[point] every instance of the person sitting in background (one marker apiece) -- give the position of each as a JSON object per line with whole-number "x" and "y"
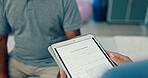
{"x": 129, "y": 70}
{"x": 36, "y": 24}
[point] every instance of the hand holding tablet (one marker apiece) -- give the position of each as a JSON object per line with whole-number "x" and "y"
{"x": 81, "y": 57}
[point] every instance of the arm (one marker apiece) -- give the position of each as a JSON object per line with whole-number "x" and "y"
{"x": 72, "y": 34}
{"x": 72, "y": 19}
{"x": 3, "y": 56}
{"x": 5, "y": 29}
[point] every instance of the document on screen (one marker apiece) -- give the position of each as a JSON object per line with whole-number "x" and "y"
{"x": 84, "y": 59}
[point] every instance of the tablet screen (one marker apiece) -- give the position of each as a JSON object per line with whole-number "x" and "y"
{"x": 84, "y": 59}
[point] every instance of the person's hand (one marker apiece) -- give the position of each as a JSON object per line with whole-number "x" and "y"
{"x": 118, "y": 58}
{"x": 61, "y": 74}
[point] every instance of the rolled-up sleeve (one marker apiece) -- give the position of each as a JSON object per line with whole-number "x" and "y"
{"x": 72, "y": 19}
{"x": 4, "y": 26}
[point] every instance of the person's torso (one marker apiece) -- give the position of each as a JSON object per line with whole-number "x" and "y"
{"x": 36, "y": 24}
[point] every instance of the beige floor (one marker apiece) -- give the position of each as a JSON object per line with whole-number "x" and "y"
{"x": 104, "y": 29}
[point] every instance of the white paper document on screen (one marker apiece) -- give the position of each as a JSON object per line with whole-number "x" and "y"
{"x": 84, "y": 59}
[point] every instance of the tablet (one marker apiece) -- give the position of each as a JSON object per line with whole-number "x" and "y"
{"x": 81, "y": 57}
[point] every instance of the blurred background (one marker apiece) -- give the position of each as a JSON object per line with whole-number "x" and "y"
{"x": 114, "y": 17}
{"x": 119, "y": 25}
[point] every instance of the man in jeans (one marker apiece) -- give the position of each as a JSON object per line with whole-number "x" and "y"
{"x": 36, "y": 24}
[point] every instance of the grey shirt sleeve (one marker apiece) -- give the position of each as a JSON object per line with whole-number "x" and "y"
{"x": 72, "y": 19}
{"x": 4, "y": 26}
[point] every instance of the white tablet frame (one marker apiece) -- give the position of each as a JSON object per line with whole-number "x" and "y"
{"x": 53, "y": 52}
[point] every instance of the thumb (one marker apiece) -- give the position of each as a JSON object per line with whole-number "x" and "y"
{"x": 62, "y": 74}
{"x": 116, "y": 59}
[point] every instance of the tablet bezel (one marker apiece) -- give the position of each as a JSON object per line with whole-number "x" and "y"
{"x": 77, "y": 39}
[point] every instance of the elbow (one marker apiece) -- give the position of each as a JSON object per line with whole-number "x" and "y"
{"x": 72, "y": 34}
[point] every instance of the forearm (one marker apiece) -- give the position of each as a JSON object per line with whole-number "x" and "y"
{"x": 72, "y": 34}
{"x": 3, "y": 59}
{"x": 3, "y": 55}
